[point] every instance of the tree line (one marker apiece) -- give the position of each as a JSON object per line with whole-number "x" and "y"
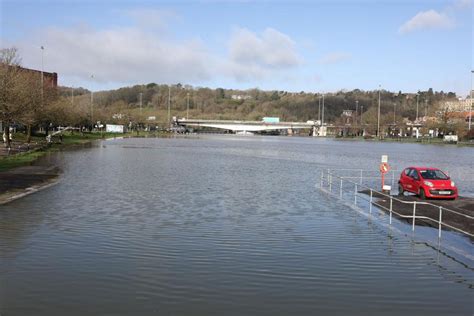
{"x": 25, "y": 102}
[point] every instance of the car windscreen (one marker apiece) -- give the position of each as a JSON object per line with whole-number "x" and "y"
{"x": 433, "y": 175}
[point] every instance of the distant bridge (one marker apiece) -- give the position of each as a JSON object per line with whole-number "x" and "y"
{"x": 249, "y": 126}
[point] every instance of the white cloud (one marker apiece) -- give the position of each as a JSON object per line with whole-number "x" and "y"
{"x": 270, "y": 49}
{"x": 427, "y": 20}
{"x": 255, "y": 56}
{"x": 147, "y": 52}
{"x": 125, "y": 55}
{"x": 333, "y": 58}
{"x": 462, "y": 4}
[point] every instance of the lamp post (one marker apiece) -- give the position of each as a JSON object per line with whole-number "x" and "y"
{"x": 394, "y": 112}
{"x": 141, "y": 101}
{"x": 319, "y": 109}
{"x": 470, "y": 103}
{"x": 417, "y": 97}
{"x": 92, "y": 105}
{"x": 187, "y": 106}
{"x": 169, "y": 105}
{"x": 42, "y": 72}
{"x": 322, "y": 116}
{"x": 357, "y": 111}
{"x": 426, "y": 108}
{"x": 378, "y": 117}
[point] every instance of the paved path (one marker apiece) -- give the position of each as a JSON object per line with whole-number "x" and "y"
{"x": 463, "y": 205}
{"x": 20, "y": 181}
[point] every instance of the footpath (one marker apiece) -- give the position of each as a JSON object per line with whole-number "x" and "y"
{"x": 21, "y": 181}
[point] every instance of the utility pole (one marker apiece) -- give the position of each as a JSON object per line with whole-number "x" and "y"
{"x": 378, "y": 117}
{"x": 169, "y": 105}
{"x": 72, "y": 95}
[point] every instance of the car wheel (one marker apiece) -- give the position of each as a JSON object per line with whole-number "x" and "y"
{"x": 400, "y": 189}
{"x": 422, "y": 194}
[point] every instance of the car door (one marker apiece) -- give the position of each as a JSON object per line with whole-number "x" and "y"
{"x": 416, "y": 181}
{"x": 410, "y": 181}
{"x": 405, "y": 179}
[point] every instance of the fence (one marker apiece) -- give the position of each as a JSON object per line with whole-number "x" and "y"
{"x": 346, "y": 188}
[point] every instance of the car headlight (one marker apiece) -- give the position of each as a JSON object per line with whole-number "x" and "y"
{"x": 453, "y": 184}
{"x": 428, "y": 183}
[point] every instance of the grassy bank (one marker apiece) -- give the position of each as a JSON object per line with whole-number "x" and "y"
{"x": 68, "y": 140}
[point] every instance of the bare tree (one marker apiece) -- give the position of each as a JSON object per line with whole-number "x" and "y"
{"x": 11, "y": 94}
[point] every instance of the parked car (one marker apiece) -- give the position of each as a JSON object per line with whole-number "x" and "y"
{"x": 427, "y": 183}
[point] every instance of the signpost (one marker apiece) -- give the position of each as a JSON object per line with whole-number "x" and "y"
{"x": 384, "y": 168}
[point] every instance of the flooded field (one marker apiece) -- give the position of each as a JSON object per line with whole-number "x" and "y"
{"x": 216, "y": 225}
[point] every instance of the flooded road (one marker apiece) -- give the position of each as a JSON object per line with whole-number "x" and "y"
{"x": 215, "y": 225}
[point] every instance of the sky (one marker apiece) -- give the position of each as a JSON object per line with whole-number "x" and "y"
{"x": 312, "y": 46}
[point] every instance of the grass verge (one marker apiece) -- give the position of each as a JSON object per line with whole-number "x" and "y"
{"x": 27, "y": 158}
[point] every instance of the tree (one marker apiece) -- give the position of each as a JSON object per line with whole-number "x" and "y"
{"x": 11, "y": 94}
{"x": 33, "y": 98}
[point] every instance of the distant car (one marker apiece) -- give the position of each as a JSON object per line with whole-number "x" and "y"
{"x": 427, "y": 183}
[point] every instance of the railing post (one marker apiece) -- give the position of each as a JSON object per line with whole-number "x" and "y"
{"x": 440, "y": 216}
{"x": 391, "y": 207}
{"x": 355, "y": 193}
{"x": 393, "y": 179}
{"x": 322, "y": 178}
{"x": 340, "y": 190}
{"x": 370, "y": 203}
{"x": 414, "y": 212}
{"x": 360, "y": 176}
{"x": 330, "y": 182}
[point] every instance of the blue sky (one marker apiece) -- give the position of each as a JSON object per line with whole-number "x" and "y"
{"x": 274, "y": 45}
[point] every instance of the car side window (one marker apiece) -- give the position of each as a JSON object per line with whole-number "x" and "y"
{"x": 414, "y": 174}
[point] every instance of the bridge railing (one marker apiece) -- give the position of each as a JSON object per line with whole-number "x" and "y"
{"x": 353, "y": 191}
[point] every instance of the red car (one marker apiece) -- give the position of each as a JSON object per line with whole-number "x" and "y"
{"x": 427, "y": 183}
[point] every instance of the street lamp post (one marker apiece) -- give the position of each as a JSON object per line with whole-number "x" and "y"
{"x": 322, "y": 116}
{"x": 378, "y": 117}
{"x": 169, "y": 105}
{"x": 470, "y": 103}
{"x": 42, "y": 72}
{"x": 394, "y": 112}
{"x": 319, "y": 109}
{"x": 357, "y": 111}
{"x": 417, "y": 95}
{"x": 187, "y": 106}
{"x": 141, "y": 100}
{"x": 92, "y": 105}
{"x": 426, "y": 107}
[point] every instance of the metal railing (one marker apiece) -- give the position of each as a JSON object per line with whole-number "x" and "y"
{"x": 344, "y": 186}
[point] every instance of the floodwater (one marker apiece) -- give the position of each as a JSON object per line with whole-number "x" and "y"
{"x": 221, "y": 225}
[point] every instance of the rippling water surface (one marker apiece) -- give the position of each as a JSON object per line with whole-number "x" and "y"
{"x": 220, "y": 226}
